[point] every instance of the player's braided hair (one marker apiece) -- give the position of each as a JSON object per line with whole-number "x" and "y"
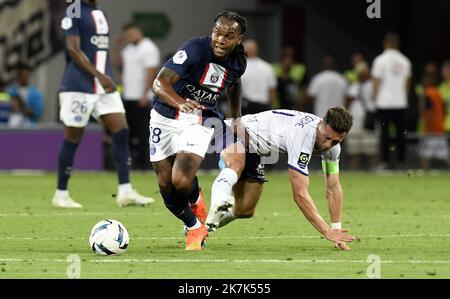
{"x": 231, "y": 15}
{"x": 339, "y": 119}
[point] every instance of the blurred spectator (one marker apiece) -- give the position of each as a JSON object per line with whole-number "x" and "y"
{"x": 391, "y": 72}
{"x": 290, "y": 76}
{"x": 444, "y": 89}
{"x": 31, "y": 101}
{"x": 139, "y": 61}
{"x": 351, "y": 75}
{"x": 433, "y": 143}
{"x": 5, "y": 104}
{"x": 10, "y": 113}
{"x": 362, "y": 138}
{"x": 258, "y": 82}
{"x": 431, "y": 69}
{"x": 327, "y": 88}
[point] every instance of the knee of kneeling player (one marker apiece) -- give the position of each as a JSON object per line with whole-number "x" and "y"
{"x": 244, "y": 213}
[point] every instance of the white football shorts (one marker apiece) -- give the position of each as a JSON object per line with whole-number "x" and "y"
{"x": 170, "y": 136}
{"x": 77, "y": 107}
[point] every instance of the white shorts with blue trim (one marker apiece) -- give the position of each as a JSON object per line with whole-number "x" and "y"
{"x": 77, "y": 107}
{"x": 185, "y": 133}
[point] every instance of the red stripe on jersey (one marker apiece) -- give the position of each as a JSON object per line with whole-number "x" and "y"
{"x": 204, "y": 74}
{"x": 95, "y": 64}
{"x": 225, "y": 75}
{"x": 95, "y": 23}
{"x": 178, "y": 114}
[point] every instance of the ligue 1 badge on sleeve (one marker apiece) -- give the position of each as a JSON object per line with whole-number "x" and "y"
{"x": 66, "y": 23}
{"x": 303, "y": 160}
{"x": 179, "y": 57}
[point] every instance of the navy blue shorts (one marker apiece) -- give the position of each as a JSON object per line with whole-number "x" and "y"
{"x": 253, "y": 168}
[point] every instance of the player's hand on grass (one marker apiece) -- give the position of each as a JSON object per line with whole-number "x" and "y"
{"x": 107, "y": 83}
{"x": 189, "y": 105}
{"x": 342, "y": 246}
{"x": 339, "y": 238}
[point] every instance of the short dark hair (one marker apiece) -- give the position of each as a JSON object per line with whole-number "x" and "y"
{"x": 24, "y": 67}
{"x": 339, "y": 119}
{"x": 392, "y": 39}
{"x": 446, "y": 63}
{"x": 130, "y": 26}
{"x": 231, "y": 15}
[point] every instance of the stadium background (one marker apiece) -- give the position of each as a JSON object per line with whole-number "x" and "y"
{"x": 402, "y": 217}
{"x": 30, "y": 34}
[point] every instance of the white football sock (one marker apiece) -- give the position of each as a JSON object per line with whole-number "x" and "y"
{"x": 124, "y": 188}
{"x": 196, "y": 225}
{"x": 223, "y": 185}
{"x": 61, "y": 193}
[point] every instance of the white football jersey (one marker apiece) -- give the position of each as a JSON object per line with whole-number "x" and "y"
{"x": 286, "y": 131}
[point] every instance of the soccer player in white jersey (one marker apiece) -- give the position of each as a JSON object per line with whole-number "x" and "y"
{"x": 300, "y": 135}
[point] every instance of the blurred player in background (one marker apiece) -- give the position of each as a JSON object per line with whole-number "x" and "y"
{"x": 138, "y": 60}
{"x": 433, "y": 143}
{"x": 300, "y": 135}
{"x": 88, "y": 89}
{"x": 188, "y": 88}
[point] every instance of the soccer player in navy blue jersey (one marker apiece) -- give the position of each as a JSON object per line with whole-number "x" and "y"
{"x": 187, "y": 91}
{"x": 87, "y": 89}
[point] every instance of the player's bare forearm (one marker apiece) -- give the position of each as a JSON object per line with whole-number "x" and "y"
{"x": 234, "y": 94}
{"x": 299, "y": 183}
{"x": 335, "y": 197}
{"x": 376, "y": 87}
{"x": 162, "y": 86}
{"x": 80, "y": 59}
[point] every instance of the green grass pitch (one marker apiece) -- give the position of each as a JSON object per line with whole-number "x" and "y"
{"x": 403, "y": 218}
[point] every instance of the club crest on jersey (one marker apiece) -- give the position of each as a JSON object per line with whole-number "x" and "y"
{"x": 303, "y": 160}
{"x": 214, "y": 78}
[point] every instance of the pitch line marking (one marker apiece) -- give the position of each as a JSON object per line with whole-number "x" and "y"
{"x": 236, "y": 238}
{"x": 265, "y": 261}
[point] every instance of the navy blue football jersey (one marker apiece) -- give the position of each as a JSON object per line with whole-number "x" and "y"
{"x": 203, "y": 78}
{"x": 93, "y": 30}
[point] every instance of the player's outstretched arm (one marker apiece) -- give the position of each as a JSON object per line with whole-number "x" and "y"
{"x": 300, "y": 183}
{"x": 80, "y": 59}
{"x": 162, "y": 87}
{"x": 335, "y": 199}
{"x": 234, "y": 94}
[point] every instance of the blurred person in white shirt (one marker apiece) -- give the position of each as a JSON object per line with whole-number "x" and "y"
{"x": 138, "y": 61}
{"x": 259, "y": 82}
{"x": 391, "y": 72}
{"x": 327, "y": 88}
{"x": 362, "y": 139}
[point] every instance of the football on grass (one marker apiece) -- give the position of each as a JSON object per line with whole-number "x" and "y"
{"x": 109, "y": 237}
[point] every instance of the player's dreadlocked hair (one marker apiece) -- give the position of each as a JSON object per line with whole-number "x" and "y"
{"x": 339, "y": 119}
{"x": 231, "y": 15}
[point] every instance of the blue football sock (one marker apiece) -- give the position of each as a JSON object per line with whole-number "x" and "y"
{"x": 180, "y": 208}
{"x": 192, "y": 196}
{"x": 65, "y": 163}
{"x": 121, "y": 154}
